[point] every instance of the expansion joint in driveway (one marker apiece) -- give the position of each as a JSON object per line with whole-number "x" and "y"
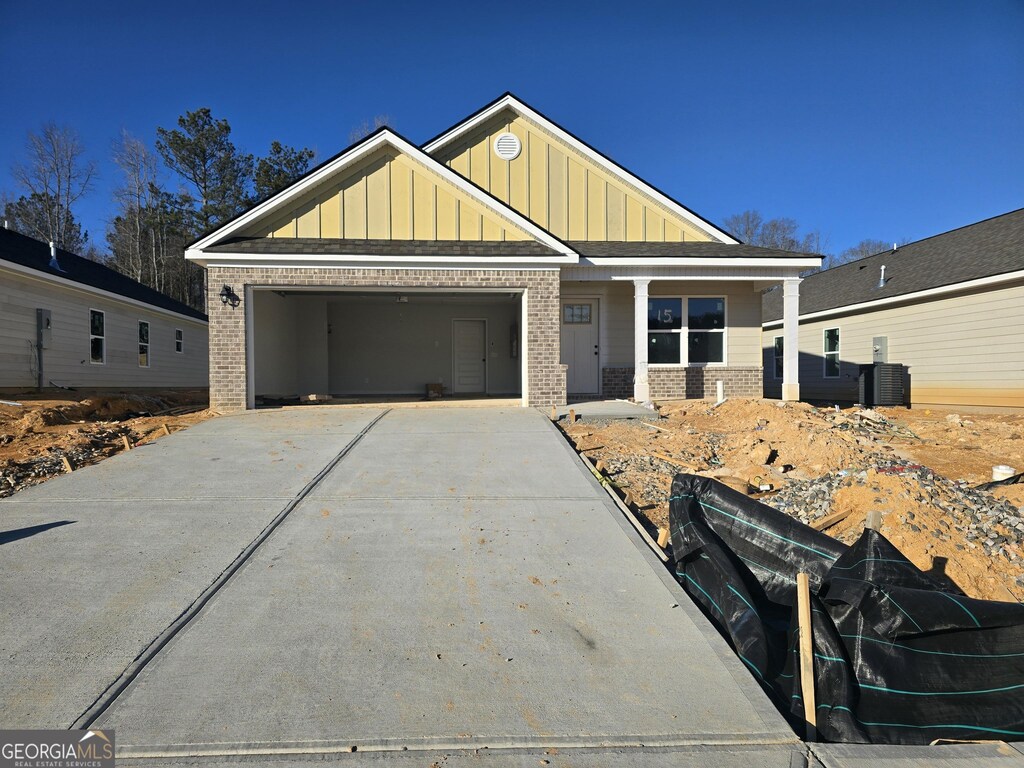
{"x": 115, "y": 689}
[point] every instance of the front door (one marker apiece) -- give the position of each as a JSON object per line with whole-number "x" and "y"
{"x": 469, "y": 355}
{"x": 580, "y": 346}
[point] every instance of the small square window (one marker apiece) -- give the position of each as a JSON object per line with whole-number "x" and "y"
{"x": 576, "y": 314}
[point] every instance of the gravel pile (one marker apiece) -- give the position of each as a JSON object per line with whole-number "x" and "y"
{"x": 992, "y": 523}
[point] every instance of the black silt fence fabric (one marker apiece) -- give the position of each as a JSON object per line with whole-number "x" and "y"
{"x": 901, "y": 656}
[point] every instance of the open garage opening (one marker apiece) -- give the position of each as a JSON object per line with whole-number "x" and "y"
{"x": 401, "y": 344}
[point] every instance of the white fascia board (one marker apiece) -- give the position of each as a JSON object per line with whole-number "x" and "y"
{"x": 63, "y": 282}
{"x": 377, "y": 262}
{"x": 696, "y": 261}
{"x": 281, "y": 199}
{"x": 291, "y": 260}
{"x": 524, "y": 111}
{"x": 967, "y": 285}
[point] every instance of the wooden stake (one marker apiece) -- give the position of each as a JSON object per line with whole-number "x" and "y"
{"x": 803, "y": 604}
{"x": 67, "y": 464}
{"x": 572, "y": 416}
{"x": 600, "y": 466}
{"x": 663, "y": 537}
{"x": 554, "y": 413}
{"x": 167, "y": 431}
{"x": 628, "y": 499}
{"x": 829, "y": 520}
{"x": 874, "y": 520}
{"x": 127, "y": 445}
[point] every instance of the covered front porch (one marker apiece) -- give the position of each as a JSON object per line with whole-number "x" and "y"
{"x": 664, "y": 333}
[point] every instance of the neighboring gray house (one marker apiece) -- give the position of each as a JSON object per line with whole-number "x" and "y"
{"x": 950, "y": 308}
{"x": 67, "y": 321}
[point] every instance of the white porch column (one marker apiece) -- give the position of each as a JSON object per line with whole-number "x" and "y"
{"x": 641, "y": 387}
{"x": 791, "y": 338}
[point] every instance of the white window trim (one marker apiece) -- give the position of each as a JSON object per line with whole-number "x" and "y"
{"x": 93, "y": 336}
{"x": 149, "y": 344}
{"x": 825, "y": 353}
{"x": 684, "y": 349}
{"x": 178, "y": 341}
{"x": 776, "y": 375}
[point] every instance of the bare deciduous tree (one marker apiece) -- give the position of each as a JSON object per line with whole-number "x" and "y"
{"x": 54, "y": 176}
{"x": 365, "y": 128}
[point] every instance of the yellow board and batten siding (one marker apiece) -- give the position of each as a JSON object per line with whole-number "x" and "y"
{"x": 560, "y": 189}
{"x": 392, "y": 197}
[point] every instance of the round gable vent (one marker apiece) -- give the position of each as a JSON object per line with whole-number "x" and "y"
{"x": 508, "y": 146}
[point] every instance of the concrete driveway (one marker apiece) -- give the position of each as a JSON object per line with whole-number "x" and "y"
{"x": 361, "y": 584}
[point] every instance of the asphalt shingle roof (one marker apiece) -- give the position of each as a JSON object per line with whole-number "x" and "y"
{"x": 35, "y": 254}
{"x": 696, "y": 250}
{"x": 991, "y": 247}
{"x": 334, "y": 247}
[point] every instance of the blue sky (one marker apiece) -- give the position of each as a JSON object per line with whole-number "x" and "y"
{"x": 888, "y": 120}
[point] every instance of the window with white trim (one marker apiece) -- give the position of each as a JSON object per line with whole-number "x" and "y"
{"x": 97, "y": 337}
{"x": 576, "y": 314}
{"x": 778, "y": 351}
{"x": 830, "y": 353}
{"x": 700, "y": 331}
{"x": 179, "y": 340}
{"x": 705, "y": 323}
{"x": 664, "y": 329}
{"x": 143, "y": 344}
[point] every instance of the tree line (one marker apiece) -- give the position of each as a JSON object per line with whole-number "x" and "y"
{"x": 216, "y": 181}
{"x": 152, "y": 222}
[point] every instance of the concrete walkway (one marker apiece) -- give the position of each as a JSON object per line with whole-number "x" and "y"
{"x": 419, "y": 586}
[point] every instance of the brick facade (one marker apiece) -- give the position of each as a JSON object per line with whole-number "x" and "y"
{"x": 617, "y": 382}
{"x": 673, "y": 383}
{"x": 670, "y": 383}
{"x": 228, "y": 375}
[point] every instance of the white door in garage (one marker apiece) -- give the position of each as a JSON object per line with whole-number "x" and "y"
{"x": 469, "y": 356}
{"x": 580, "y": 346}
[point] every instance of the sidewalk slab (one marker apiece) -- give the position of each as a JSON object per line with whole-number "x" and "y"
{"x": 939, "y": 756}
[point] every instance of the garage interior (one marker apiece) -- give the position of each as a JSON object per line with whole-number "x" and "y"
{"x": 356, "y": 344}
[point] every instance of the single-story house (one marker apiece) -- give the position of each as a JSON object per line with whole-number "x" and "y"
{"x": 505, "y": 257}
{"x": 70, "y": 322}
{"x": 949, "y": 308}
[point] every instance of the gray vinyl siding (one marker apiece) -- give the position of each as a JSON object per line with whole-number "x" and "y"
{"x": 966, "y": 349}
{"x": 743, "y": 316}
{"x": 67, "y": 361}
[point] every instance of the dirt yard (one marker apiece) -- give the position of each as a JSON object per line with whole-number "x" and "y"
{"x": 43, "y": 430}
{"x": 919, "y": 468}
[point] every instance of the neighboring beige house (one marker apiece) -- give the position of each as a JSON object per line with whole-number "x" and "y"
{"x": 950, "y": 308}
{"x": 505, "y": 257}
{"x": 70, "y": 322}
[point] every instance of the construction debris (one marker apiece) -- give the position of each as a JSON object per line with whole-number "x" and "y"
{"x": 830, "y": 468}
{"x": 45, "y": 436}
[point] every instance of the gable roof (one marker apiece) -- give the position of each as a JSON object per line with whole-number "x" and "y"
{"x": 374, "y": 247}
{"x": 682, "y": 250}
{"x": 510, "y": 101}
{"x": 34, "y": 254}
{"x": 986, "y": 249}
{"x": 382, "y": 137}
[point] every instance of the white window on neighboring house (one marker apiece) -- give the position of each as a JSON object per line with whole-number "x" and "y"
{"x": 664, "y": 330}
{"x": 97, "y": 338}
{"x": 179, "y": 340}
{"x": 830, "y": 353}
{"x": 778, "y": 350}
{"x": 143, "y": 344}
{"x": 705, "y": 323}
